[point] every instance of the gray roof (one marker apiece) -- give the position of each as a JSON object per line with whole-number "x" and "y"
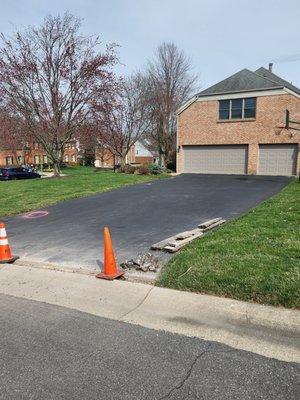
{"x": 246, "y": 81}
{"x": 271, "y": 76}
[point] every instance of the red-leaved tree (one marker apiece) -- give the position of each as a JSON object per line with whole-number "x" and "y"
{"x": 49, "y": 77}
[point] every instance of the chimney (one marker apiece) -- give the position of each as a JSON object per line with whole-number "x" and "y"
{"x": 270, "y": 67}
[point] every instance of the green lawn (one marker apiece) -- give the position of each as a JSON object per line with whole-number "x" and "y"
{"x": 254, "y": 258}
{"x": 20, "y": 196}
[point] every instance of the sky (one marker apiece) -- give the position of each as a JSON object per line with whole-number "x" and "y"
{"x": 221, "y": 37}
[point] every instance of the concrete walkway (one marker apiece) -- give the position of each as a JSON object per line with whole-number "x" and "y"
{"x": 269, "y": 331}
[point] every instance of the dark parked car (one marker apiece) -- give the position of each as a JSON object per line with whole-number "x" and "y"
{"x": 11, "y": 173}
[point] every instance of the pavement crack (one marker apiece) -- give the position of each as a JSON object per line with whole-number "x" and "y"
{"x": 187, "y": 375}
{"x": 138, "y": 305}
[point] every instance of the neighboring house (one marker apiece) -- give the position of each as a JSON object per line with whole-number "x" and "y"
{"x": 34, "y": 153}
{"x": 104, "y": 158}
{"x": 237, "y": 127}
{"x": 139, "y": 153}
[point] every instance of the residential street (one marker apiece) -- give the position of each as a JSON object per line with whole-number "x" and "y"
{"x": 138, "y": 216}
{"x": 50, "y": 352}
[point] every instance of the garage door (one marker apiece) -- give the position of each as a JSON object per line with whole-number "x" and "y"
{"x": 215, "y": 159}
{"x": 277, "y": 159}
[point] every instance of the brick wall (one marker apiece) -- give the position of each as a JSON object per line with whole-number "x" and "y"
{"x": 143, "y": 160}
{"x": 199, "y": 125}
{"x": 34, "y": 156}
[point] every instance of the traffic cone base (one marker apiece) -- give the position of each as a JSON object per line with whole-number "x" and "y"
{"x": 103, "y": 275}
{"x": 10, "y": 260}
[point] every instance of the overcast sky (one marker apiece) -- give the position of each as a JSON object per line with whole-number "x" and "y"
{"x": 220, "y": 36}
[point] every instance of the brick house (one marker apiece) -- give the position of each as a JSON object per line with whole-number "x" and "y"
{"x": 34, "y": 153}
{"x": 237, "y": 127}
{"x": 139, "y": 153}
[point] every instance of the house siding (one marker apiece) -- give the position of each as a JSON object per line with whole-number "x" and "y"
{"x": 199, "y": 125}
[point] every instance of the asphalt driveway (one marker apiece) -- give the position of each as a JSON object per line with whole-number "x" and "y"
{"x": 138, "y": 216}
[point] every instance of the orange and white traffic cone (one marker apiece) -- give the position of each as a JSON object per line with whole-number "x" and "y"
{"x": 110, "y": 271}
{"x": 5, "y": 253}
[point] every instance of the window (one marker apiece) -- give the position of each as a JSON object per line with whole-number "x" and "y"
{"x": 250, "y": 107}
{"x": 237, "y": 108}
{"x": 9, "y": 160}
{"x": 36, "y": 159}
{"x": 45, "y": 159}
{"x": 66, "y": 158}
{"x": 36, "y": 145}
{"x": 73, "y": 158}
{"x": 224, "y": 109}
{"x": 20, "y": 160}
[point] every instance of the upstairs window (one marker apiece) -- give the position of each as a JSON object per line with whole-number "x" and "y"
{"x": 250, "y": 107}
{"x": 237, "y": 108}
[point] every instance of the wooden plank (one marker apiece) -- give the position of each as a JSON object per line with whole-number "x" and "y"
{"x": 178, "y": 244}
{"x": 187, "y": 234}
{"x": 206, "y": 224}
{"x": 181, "y": 236}
{"x": 160, "y": 245}
{"x": 218, "y": 223}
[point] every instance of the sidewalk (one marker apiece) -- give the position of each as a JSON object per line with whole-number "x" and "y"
{"x": 269, "y": 331}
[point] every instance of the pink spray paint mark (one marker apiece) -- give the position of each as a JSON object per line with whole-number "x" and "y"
{"x": 35, "y": 214}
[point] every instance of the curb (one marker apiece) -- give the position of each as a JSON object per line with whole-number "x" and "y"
{"x": 266, "y": 330}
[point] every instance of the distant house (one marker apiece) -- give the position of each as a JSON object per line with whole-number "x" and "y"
{"x": 237, "y": 127}
{"x": 34, "y": 154}
{"x": 139, "y": 153}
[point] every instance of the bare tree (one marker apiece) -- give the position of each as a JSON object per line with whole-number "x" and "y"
{"x": 123, "y": 119}
{"x": 169, "y": 83}
{"x": 49, "y": 76}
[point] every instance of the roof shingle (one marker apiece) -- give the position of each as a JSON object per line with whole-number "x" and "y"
{"x": 246, "y": 80}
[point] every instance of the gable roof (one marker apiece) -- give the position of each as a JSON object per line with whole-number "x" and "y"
{"x": 246, "y": 81}
{"x": 273, "y": 77}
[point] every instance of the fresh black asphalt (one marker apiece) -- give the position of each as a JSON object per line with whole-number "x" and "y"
{"x": 50, "y": 353}
{"x": 138, "y": 216}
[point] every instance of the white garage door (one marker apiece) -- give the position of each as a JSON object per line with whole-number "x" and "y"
{"x": 215, "y": 159}
{"x": 277, "y": 159}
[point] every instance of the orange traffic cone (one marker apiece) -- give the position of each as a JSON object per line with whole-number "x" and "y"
{"x": 5, "y": 253}
{"x": 110, "y": 266}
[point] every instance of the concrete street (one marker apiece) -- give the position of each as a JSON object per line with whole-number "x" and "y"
{"x": 138, "y": 216}
{"x": 50, "y": 352}
{"x": 269, "y": 331}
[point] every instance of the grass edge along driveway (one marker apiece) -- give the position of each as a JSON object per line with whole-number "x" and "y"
{"x": 253, "y": 258}
{"x": 30, "y": 194}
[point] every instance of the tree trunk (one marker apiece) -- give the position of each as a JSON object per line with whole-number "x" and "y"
{"x": 162, "y": 158}
{"x": 56, "y": 168}
{"x": 123, "y": 158}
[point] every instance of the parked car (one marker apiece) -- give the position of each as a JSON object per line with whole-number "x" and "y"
{"x": 12, "y": 173}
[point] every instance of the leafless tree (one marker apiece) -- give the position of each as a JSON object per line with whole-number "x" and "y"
{"x": 50, "y": 76}
{"x": 170, "y": 82}
{"x": 122, "y": 120}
